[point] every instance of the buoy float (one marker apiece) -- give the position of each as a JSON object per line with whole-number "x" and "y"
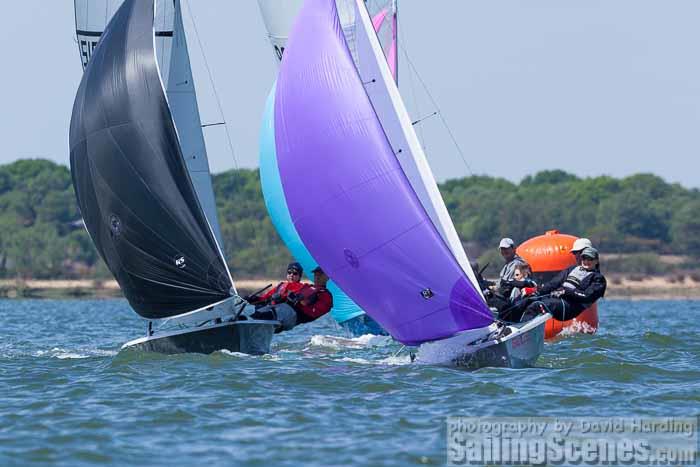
{"x": 547, "y": 255}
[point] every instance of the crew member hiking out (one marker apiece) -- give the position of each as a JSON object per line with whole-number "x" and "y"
{"x": 307, "y": 304}
{"x": 279, "y": 294}
{"x": 570, "y": 293}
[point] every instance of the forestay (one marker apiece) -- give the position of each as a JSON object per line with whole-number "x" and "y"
{"x": 92, "y": 16}
{"x": 367, "y": 225}
{"x": 131, "y": 181}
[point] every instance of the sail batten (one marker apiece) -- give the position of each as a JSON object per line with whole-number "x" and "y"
{"x": 366, "y": 227}
{"x": 131, "y": 179}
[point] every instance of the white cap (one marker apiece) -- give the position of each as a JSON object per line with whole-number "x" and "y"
{"x": 506, "y": 243}
{"x": 580, "y": 244}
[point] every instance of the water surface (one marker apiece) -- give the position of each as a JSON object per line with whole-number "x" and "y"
{"x": 69, "y": 397}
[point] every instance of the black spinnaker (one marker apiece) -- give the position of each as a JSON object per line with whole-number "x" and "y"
{"x": 130, "y": 178}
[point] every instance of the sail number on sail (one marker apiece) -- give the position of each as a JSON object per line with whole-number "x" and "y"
{"x": 87, "y": 41}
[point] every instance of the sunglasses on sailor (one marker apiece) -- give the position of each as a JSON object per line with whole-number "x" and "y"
{"x": 293, "y": 273}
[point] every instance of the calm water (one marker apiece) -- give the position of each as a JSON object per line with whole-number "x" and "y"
{"x": 68, "y": 397}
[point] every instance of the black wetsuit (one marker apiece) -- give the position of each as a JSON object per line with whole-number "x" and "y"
{"x": 582, "y": 288}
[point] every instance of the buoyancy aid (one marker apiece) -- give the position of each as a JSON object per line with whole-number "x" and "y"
{"x": 576, "y": 278}
{"x": 279, "y": 294}
{"x": 312, "y": 303}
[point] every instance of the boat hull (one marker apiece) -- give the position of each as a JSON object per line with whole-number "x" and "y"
{"x": 252, "y": 337}
{"x": 520, "y": 348}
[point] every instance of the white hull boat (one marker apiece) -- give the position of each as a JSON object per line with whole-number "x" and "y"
{"x": 517, "y": 345}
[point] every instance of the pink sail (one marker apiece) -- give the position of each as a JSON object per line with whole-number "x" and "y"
{"x": 378, "y": 21}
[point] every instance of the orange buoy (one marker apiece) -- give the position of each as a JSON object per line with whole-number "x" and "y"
{"x": 547, "y": 255}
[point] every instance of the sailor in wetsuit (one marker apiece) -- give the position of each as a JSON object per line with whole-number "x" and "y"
{"x": 303, "y": 306}
{"x": 570, "y": 293}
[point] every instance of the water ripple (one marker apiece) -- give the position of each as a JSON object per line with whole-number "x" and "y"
{"x": 70, "y": 397}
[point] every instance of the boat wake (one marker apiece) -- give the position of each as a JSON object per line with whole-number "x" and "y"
{"x": 394, "y": 360}
{"x": 64, "y": 354}
{"x": 577, "y": 327}
{"x": 363, "y": 342}
{"x": 268, "y": 356}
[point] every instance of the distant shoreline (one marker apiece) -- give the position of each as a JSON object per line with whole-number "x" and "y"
{"x": 619, "y": 287}
{"x": 89, "y": 288}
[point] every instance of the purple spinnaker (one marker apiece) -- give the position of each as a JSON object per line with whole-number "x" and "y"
{"x": 349, "y": 199}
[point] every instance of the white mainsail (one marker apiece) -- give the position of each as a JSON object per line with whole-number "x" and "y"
{"x": 391, "y": 111}
{"x": 182, "y": 97}
{"x": 279, "y": 16}
{"x": 91, "y": 19}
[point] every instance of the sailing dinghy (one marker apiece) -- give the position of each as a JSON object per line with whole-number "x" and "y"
{"x": 278, "y": 16}
{"x": 370, "y": 211}
{"x": 142, "y": 180}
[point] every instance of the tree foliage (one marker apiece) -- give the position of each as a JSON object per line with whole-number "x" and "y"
{"x": 41, "y": 234}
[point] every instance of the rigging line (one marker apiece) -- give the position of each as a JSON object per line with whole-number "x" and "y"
{"x": 399, "y": 351}
{"x": 439, "y": 112}
{"x": 424, "y": 118}
{"x": 213, "y": 86}
{"x": 420, "y": 130}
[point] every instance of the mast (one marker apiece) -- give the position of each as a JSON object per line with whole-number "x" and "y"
{"x": 395, "y": 31}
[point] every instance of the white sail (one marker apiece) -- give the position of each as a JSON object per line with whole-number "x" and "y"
{"x": 392, "y": 113}
{"x": 182, "y": 98}
{"x": 383, "y": 21}
{"x": 92, "y": 16}
{"x": 91, "y": 19}
{"x": 278, "y": 16}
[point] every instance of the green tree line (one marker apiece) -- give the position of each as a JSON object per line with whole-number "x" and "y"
{"x": 41, "y": 235}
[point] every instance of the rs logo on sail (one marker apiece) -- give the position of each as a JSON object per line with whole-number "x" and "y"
{"x": 180, "y": 262}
